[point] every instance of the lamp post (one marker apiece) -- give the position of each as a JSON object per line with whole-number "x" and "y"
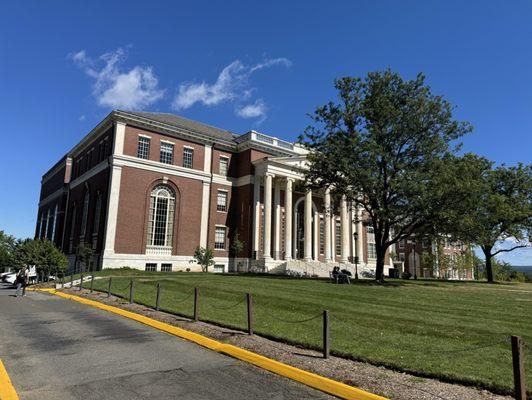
{"x": 355, "y": 235}
{"x": 415, "y": 269}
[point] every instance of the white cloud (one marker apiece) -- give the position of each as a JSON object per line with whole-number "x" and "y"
{"x": 232, "y": 84}
{"x": 255, "y": 110}
{"x": 113, "y": 87}
{"x": 82, "y": 117}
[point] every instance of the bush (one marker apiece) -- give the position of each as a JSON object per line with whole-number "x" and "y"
{"x": 406, "y": 275}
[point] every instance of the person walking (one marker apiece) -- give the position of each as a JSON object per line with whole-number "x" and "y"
{"x": 22, "y": 281}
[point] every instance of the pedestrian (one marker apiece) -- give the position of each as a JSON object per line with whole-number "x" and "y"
{"x": 22, "y": 281}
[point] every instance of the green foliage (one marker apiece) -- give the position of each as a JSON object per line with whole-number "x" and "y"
{"x": 7, "y": 248}
{"x": 41, "y": 253}
{"x": 497, "y": 205}
{"x": 84, "y": 255}
{"x": 237, "y": 246}
{"x": 204, "y": 257}
{"x": 385, "y": 145}
{"x": 502, "y": 271}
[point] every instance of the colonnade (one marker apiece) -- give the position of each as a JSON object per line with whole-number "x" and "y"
{"x": 350, "y": 222}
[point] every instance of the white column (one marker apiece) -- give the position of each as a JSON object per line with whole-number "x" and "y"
{"x": 207, "y": 161}
{"x": 316, "y": 236}
{"x": 288, "y": 219}
{"x": 256, "y": 216}
{"x": 327, "y": 229}
{"x": 360, "y": 239}
{"x": 345, "y": 230}
{"x": 277, "y": 221}
{"x": 120, "y": 132}
{"x": 308, "y": 226}
{"x": 112, "y": 210}
{"x": 333, "y": 237}
{"x": 204, "y": 227}
{"x": 267, "y": 215}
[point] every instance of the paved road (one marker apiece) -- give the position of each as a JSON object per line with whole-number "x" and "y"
{"x": 58, "y": 349}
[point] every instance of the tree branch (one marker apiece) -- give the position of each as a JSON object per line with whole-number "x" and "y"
{"x": 508, "y": 250}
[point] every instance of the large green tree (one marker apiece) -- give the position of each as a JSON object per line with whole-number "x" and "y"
{"x": 7, "y": 248}
{"x": 41, "y": 253}
{"x": 497, "y": 214}
{"x": 382, "y": 144}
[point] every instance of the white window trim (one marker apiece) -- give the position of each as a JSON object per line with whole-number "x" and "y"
{"x": 144, "y": 136}
{"x": 167, "y": 142}
{"x": 188, "y": 147}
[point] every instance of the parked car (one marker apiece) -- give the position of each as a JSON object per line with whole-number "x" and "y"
{"x": 10, "y": 278}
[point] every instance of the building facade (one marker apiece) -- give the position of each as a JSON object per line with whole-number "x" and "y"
{"x": 145, "y": 189}
{"x": 410, "y": 257}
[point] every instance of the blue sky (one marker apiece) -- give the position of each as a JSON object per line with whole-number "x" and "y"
{"x": 246, "y": 65}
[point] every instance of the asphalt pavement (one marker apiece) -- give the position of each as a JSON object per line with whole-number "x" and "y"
{"x": 58, "y": 349}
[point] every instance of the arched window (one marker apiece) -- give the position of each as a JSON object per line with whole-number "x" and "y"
{"x": 47, "y": 224}
{"x": 96, "y": 223}
{"x": 72, "y": 227}
{"x": 85, "y": 214}
{"x": 55, "y": 222}
{"x": 161, "y": 218}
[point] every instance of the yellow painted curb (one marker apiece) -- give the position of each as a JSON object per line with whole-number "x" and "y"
{"x": 315, "y": 381}
{"x": 7, "y": 391}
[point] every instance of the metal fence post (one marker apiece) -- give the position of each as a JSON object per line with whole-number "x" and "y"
{"x": 196, "y": 304}
{"x": 72, "y": 281}
{"x": 250, "y": 314}
{"x": 326, "y": 344}
{"x": 81, "y": 281}
{"x": 131, "y": 291}
{"x": 62, "y": 282}
{"x": 158, "y": 298}
{"x": 518, "y": 358}
{"x": 92, "y": 282}
{"x": 109, "y": 287}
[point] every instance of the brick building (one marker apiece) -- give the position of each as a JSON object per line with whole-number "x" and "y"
{"x": 409, "y": 252}
{"x": 145, "y": 189}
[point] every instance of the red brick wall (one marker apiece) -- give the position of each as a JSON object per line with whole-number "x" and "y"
{"x": 131, "y": 143}
{"x": 131, "y": 230}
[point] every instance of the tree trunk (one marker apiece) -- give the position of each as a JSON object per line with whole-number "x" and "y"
{"x": 489, "y": 268}
{"x": 379, "y": 271}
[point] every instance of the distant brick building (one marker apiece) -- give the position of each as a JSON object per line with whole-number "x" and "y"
{"x": 410, "y": 253}
{"x": 145, "y": 189}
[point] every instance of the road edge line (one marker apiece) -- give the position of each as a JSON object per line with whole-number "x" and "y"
{"x": 315, "y": 381}
{"x": 7, "y": 390}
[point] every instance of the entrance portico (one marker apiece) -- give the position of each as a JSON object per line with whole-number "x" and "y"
{"x": 291, "y": 224}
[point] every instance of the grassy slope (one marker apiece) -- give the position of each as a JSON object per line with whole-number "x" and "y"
{"x": 428, "y": 327}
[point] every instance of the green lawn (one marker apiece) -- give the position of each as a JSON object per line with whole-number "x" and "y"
{"x": 450, "y": 330}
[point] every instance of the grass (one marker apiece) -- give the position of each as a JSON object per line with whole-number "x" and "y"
{"x": 454, "y": 331}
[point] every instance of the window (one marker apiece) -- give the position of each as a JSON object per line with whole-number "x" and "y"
{"x": 219, "y": 238}
{"x": 166, "y": 267}
{"x": 96, "y": 223}
{"x": 47, "y": 224}
{"x": 338, "y": 238}
{"x": 56, "y": 211}
{"x": 219, "y": 268}
{"x": 72, "y": 227}
{"x": 426, "y": 243}
{"x": 372, "y": 251}
{"x": 402, "y": 257}
{"x": 188, "y": 157}
{"x": 161, "y": 218}
{"x": 150, "y": 267}
{"x": 221, "y": 202}
{"x": 84, "y": 214}
{"x": 167, "y": 153}
{"x": 143, "y": 149}
{"x": 322, "y": 236}
{"x": 224, "y": 166}
{"x": 402, "y": 243}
